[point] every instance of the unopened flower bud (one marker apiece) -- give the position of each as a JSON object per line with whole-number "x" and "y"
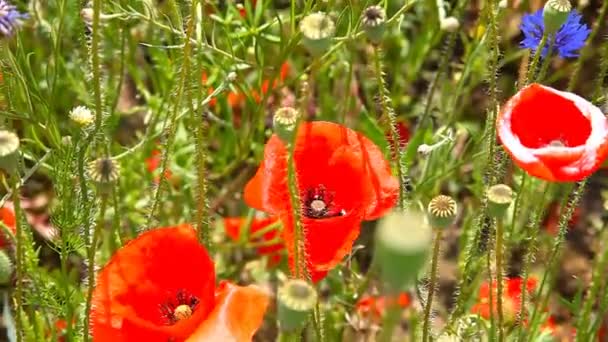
{"x": 555, "y": 14}
{"x": 442, "y": 211}
{"x": 6, "y": 268}
{"x": 231, "y": 76}
{"x": 402, "y": 245}
{"x": 450, "y": 24}
{"x": 296, "y": 298}
{"x": 284, "y": 123}
{"x": 374, "y": 23}
{"x": 424, "y": 150}
{"x": 500, "y": 197}
{"x": 9, "y": 151}
{"x": 317, "y": 30}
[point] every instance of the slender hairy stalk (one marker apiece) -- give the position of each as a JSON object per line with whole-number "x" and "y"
{"x": 300, "y": 269}
{"x": 91, "y": 259}
{"x": 19, "y": 259}
{"x": 568, "y": 208}
{"x": 588, "y": 47}
{"x": 95, "y": 64}
{"x": 499, "y": 276}
{"x": 535, "y": 59}
{"x": 546, "y": 62}
{"x": 432, "y": 284}
{"x": 389, "y": 115}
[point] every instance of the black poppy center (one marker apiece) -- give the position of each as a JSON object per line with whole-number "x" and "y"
{"x": 319, "y": 203}
{"x": 179, "y": 308}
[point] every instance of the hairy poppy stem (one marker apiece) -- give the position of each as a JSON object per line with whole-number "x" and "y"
{"x": 19, "y": 259}
{"x": 546, "y": 62}
{"x": 569, "y": 204}
{"x": 432, "y": 284}
{"x": 91, "y": 260}
{"x": 388, "y": 113}
{"x": 588, "y": 47}
{"x": 499, "y": 276}
{"x": 535, "y": 59}
{"x": 294, "y": 196}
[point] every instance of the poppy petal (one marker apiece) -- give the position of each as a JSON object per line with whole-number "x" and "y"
{"x": 146, "y": 273}
{"x": 236, "y": 317}
{"x": 553, "y": 135}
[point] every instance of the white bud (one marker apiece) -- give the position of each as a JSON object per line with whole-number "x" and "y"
{"x": 231, "y": 76}
{"x": 450, "y": 24}
{"x": 425, "y": 150}
{"x": 81, "y": 115}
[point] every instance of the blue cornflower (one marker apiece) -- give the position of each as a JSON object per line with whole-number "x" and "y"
{"x": 10, "y": 18}
{"x": 569, "y": 38}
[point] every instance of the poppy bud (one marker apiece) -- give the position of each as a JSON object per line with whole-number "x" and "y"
{"x": 555, "y": 14}
{"x": 6, "y": 268}
{"x": 500, "y": 197}
{"x": 403, "y": 241}
{"x": 9, "y": 151}
{"x": 317, "y": 30}
{"x": 442, "y": 211}
{"x": 374, "y": 23}
{"x": 296, "y": 298}
{"x": 284, "y": 123}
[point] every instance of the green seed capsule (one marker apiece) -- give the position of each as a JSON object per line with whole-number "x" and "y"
{"x": 500, "y": 197}
{"x": 296, "y": 298}
{"x": 555, "y": 14}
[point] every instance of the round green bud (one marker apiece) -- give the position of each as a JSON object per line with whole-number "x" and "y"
{"x": 6, "y": 268}
{"x": 441, "y": 211}
{"x": 403, "y": 240}
{"x": 317, "y": 31}
{"x": 555, "y": 14}
{"x": 284, "y": 122}
{"x": 9, "y": 151}
{"x": 500, "y": 197}
{"x": 295, "y": 298}
{"x": 373, "y": 20}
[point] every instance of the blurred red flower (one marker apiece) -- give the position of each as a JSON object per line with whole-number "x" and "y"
{"x": 161, "y": 287}
{"x": 7, "y": 216}
{"x": 553, "y": 135}
{"x": 511, "y": 298}
{"x": 343, "y": 179}
{"x": 375, "y": 307}
{"x": 262, "y": 230}
{"x": 403, "y": 128}
{"x": 153, "y": 164}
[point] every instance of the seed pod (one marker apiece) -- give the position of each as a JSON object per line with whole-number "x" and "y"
{"x": 317, "y": 30}
{"x": 555, "y": 14}
{"x": 402, "y": 245}
{"x": 9, "y": 151}
{"x": 6, "y": 268}
{"x": 500, "y": 197}
{"x": 284, "y": 123}
{"x": 296, "y": 298}
{"x": 373, "y": 20}
{"x": 441, "y": 211}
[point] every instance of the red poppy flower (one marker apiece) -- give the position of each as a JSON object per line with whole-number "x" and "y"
{"x": 511, "y": 298}
{"x": 262, "y": 230}
{"x": 7, "y": 216}
{"x": 553, "y": 135}
{"x": 551, "y": 222}
{"x": 161, "y": 287}
{"x": 375, "y": 307}
{"x": 343, "y": 179}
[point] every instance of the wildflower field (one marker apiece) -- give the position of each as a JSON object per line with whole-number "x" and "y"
{"x": 298, "y": 170}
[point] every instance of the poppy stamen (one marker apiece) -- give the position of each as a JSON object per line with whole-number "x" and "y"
{"x": 318, "y": 203}
{"x": 179, "y": 309}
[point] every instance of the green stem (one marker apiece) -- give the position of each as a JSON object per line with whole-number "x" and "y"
{"x": 535, "y": 59}
{"x": 288, "y": 337}
{"x": 546, "y": 62}
{"x": 95, "y": 64}
{"x": 19, "y": 260}
{"x": 91, "y": 260}
{"x": 565, "y": 217}
{"x": 300, "y": 270}
{"x": 388, "y": 113}
{"x": 499, "y": 276}
{"x": 391, "y": 320}
{"x": 588, "y": 47}
{"x": 432, "y": 284}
